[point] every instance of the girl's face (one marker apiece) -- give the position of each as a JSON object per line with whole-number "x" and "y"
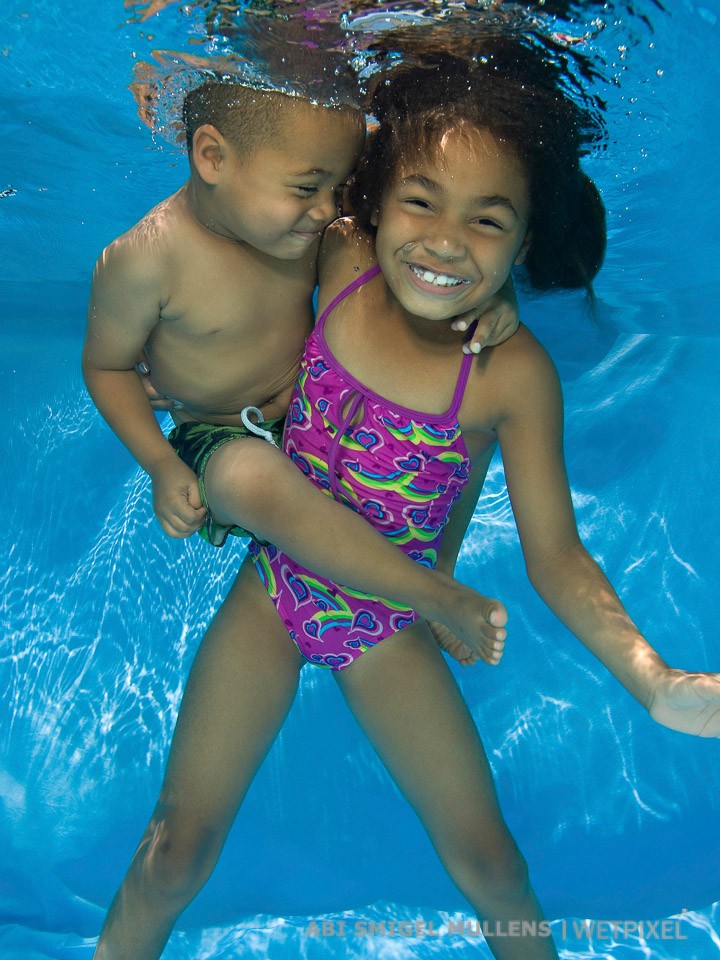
{"x": 451, "y": 226}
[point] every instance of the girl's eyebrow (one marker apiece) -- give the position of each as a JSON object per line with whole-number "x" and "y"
{"x": 418, "y": 180}
{"x": 496, "y": 201}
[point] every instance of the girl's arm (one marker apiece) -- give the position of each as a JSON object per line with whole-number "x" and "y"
{"x": 462, "y": 514}
{"x": 453, "y": 536}
{"x": 558, "y": 565}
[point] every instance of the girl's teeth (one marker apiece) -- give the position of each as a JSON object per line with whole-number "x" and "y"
{"x": 438, "y": 279}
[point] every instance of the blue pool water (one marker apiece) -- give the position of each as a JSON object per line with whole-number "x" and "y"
{"x": 101, "y": 614}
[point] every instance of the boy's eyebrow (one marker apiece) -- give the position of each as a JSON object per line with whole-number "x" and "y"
{"x": 420, "y": 180}
{"x": 316, "y": 172}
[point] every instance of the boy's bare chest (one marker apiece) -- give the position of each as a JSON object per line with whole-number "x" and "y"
{"x": 221, "y": 296}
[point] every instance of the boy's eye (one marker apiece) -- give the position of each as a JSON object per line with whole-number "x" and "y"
{"x": 487, "y": 222}
{"x": 307, "y": 191}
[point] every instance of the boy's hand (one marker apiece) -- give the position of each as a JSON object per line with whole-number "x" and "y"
{"x": 497, "y": 320}
{"x": 688, "y": 702}
{"x": 176, "y": 498}
{"x": 158, "y": 401}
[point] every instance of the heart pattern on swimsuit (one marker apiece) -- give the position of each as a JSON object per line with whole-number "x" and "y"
{"x": 299, "y": 589}
{"x": 367, "y": 439}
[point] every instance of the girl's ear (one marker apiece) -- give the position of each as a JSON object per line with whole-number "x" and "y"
{"x": 208, "y": 150}
{"x": 524, "y": 249}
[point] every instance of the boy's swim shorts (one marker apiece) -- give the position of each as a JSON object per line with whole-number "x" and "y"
{"x": 195, "y": 443}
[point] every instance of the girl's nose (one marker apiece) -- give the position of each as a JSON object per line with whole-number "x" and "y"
{"x": 445, "y": 244}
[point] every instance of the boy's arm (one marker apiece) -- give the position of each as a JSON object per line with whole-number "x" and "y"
{"x": 124, "y": 307}
{"x": 496, "y": 322}
{"x": 560, "y": 568}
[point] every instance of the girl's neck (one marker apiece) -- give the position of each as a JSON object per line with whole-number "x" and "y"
{"x": 425, "y": 330}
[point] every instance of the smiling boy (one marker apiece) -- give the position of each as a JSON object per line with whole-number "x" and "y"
{"x": 215, "y": 282}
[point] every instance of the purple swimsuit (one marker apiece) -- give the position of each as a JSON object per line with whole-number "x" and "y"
{"x": 400, "y": 469}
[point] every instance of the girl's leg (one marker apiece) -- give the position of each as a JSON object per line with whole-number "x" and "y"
{"x": 239, "y": 691}
{"x": 405, "y": 698}
{"x": 252, "y": 484}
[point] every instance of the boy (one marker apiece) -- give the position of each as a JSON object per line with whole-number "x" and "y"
{"x": 215, "y": 284}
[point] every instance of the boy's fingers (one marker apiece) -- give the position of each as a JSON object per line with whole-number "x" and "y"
{"x": 193, "y": 498}
{"x": 484, "y": 332}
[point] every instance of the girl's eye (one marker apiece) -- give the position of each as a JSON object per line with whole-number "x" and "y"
{"x": 307, "y": 191}
{"x": 418, "y": 202}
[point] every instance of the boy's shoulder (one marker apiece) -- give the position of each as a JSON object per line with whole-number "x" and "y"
{"x": 345, "y": 245}
{"x": 141, "y": 255}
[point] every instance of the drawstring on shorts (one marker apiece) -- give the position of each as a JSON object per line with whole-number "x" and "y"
{"x": 254, "y": 428}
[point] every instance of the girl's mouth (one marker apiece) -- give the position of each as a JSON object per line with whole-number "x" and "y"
{"x": 435, "y": 282}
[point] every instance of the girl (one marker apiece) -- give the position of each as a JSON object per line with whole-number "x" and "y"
{"x": 467, "y": 176}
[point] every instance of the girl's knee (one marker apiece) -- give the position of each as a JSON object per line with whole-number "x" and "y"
{"x": 176, "y": 857}
{"x": 241, "y": 469}
{"x": 491, "y": 866}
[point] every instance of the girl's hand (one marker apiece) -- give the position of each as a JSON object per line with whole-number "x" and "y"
{"x": 497, "y": 320}
{"x": 453, "y": 645}
{"x": 688, "y": 702}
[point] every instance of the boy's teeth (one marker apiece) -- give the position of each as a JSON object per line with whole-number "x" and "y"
{"x": 438, "y": 279}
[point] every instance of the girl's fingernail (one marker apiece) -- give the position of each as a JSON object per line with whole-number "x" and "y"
{"x": 466, "y": 348}
{"x": 476, "y": 347}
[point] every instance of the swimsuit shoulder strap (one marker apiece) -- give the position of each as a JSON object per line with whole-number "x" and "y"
{"x": 461, "y": 384}
{"x": 463, "y": 376}
{"x": 345, "y": 292}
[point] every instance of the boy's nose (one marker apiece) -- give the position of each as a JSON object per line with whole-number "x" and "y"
{"x": 325, "y": 207}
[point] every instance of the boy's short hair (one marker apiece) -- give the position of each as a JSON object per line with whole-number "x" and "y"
{"x": 246, "y": 116}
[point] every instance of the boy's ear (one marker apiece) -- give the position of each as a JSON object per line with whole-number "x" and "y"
{"x": 208, "y": 149}
{"x": 524, "y": 249}
{"x": 374, "y": 217}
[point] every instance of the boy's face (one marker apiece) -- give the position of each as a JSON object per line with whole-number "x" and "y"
{"x": 451, "y": 227}
{"x": 280, "y": 197}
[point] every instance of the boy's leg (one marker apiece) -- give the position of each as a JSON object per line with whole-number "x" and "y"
{"x": 405, "y": 698}
{"x": 240, "y": 688}
{"x": 254, "y": 485}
